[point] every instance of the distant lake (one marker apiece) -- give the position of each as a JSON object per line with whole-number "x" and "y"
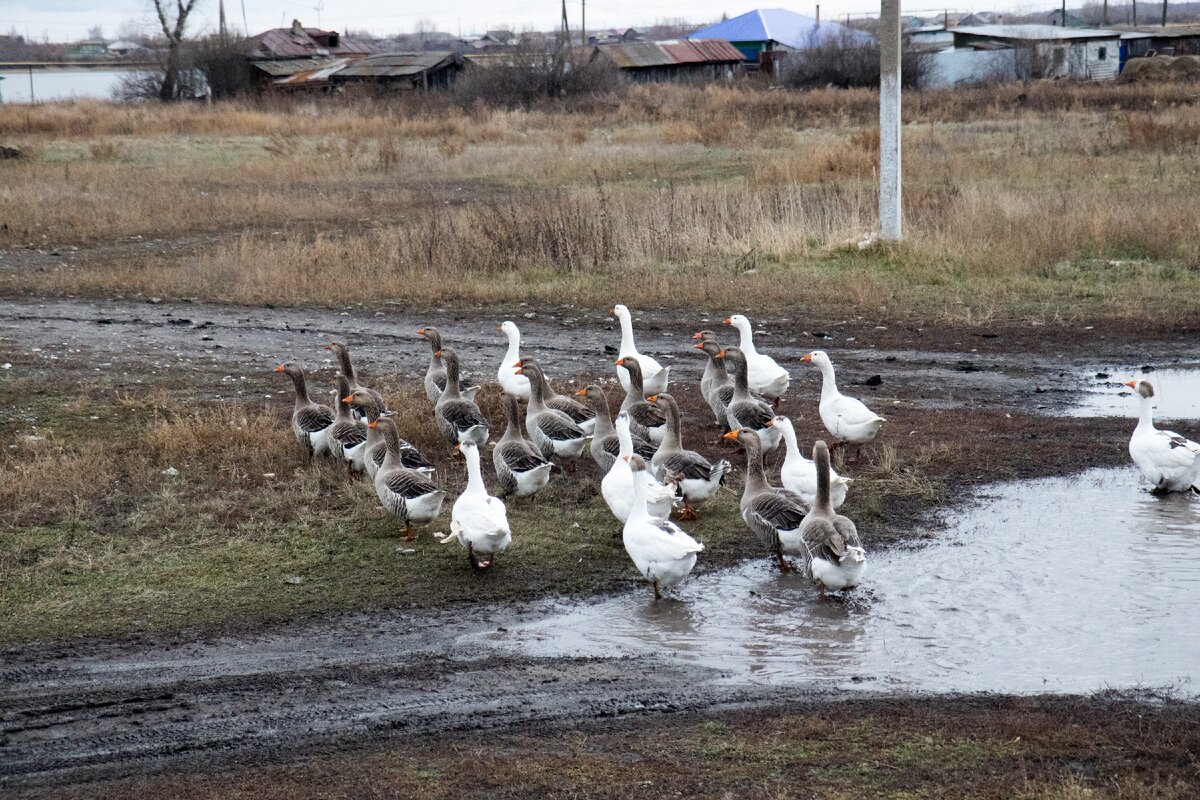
{"x": 59, "y": 84}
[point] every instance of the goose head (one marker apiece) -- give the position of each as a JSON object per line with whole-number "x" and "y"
{"x": 817, "y": 358}
{"x": 1144, "y": 388}
{"x": 291, "y": 369}
{"x": 739, "y": 321}
{"x": 704, "y": 335}
{"x": 620, "y": 312}
{"x": 509, "y": 329}
{"x": 433, "y": 335}
{"x": 636, "y": 463}
{"x": 337, "y": 348}
{"x": 747, "y": 438}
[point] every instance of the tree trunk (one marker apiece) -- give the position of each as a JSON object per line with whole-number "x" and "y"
{"x": 167, "y": 92}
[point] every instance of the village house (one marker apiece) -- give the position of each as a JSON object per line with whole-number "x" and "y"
{"x": 1048, "y": 51}
{"x": 279, "y": 54}
{"x": 766, "y": 35}
{"x": 674, "y": 61}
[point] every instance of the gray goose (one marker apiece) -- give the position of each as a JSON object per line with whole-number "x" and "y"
{"x": 458, "y": 418}
{"x": 774, "y": 515}
{"x": 715, "y": 384}
{"x": 520, "y": 469}
{"x": 645, "y": 419}
{"x": 834, "y": 552}
{"x": 410, "y": 456}
{"x": 697, "y": 477}
{"x": 342, "y": 353}
{"x": 744, "y": 411}
{"x": 348, "y": 436}
{"x": 552, "y": 431}
{"x": 581, "y": 414}
{"x": 606, "y": 446}
{"x": 435, "y": 374}
{"x": 406, "y": 494}
{"x": 310, "y": 421}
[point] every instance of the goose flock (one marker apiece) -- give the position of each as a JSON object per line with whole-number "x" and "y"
{"x": 647, "y": 471}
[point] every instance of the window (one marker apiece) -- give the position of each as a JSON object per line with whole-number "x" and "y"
{"x": 1103, "y": 54}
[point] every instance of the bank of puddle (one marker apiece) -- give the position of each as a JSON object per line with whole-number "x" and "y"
{"x": 1176, "y": 393}
{"x": 1058, "y": 585}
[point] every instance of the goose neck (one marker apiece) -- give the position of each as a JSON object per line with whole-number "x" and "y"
{"x": 674, "y": 436}
{"x": 298, "y": 380}
{"x": 823, "y": 505}
{"x": 756, "y": 476}
{"x": 746, "y": 340}
{"x": 627, "y": 346}
{"x": 828, "y": 381}
{"x": 474, "y": 473}
{"x": 625, "y": 440}
{"x": 1146, "y": 414}
{"x": 638, "y": 512}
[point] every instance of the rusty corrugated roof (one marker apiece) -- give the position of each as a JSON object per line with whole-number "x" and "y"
{"x": 291, "y": 66}
{"x": 395, "y": 65}
{"x": 314, "y": 74}
{"x": 634, "y": 55}
{"x": 297, "y": 43}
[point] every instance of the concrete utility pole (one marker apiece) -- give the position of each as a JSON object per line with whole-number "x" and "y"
{"x": 566, "y": 30}
{"x": 1164, "y": 22}
{"x": 889, "y": 121}
{"x": 1104, "y": 15}
{"x": 583, "y": 24}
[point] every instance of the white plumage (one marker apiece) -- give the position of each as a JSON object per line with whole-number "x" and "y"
{"x": 848, "y": 419}
{"x": 799, "y": 474}
{"x": 510, "y": 380}
{"x": 763, "y": 374}
{"x": 478, "y": 521}
{"x": 617, "y": 485}
{"x": 654, "y": 375}
{"x": 660, "y": 549}
{"x": 1169, "y": 461}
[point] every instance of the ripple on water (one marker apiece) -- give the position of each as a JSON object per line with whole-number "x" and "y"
{"x": 1065, "y": 584}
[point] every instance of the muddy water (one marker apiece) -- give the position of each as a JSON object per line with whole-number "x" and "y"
{"x": 1176, "y": 393}
{"x": 1063, "y": 585}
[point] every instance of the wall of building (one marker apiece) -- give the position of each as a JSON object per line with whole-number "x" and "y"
{"x": 964, "y": 67}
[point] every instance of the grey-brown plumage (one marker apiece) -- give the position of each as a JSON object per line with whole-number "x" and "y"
{"x": 834, "y": 553}
{"x": 743, "y": 409}
{"x": 773, "y": 514}
{"x": 552, "y": 431}
{"x": 310, "y": 421}
{"x": 605, "y": 445}
{"x": 520, "y": 469}
{"x": 342, "y": 353}
{"x": 580, "y": 413}
{"x": 645, "y": 419}
{"x": 410, "y": 456}
{"x": 406, "y": 494}
{"x": 347, "y": 433}
{"x": 697, "y": 477}
{"x": 435, "y": 373}
{"x": 457, "y": 417}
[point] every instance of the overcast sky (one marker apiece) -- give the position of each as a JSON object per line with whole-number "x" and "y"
{"x": 63, "y": 20}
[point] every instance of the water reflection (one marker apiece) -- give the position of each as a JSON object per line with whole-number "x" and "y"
{"x": 1069, "y": 584}
{"x": 1176, "y": 393}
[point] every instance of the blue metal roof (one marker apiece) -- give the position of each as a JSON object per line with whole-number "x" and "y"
{"x": 780, "y": 25}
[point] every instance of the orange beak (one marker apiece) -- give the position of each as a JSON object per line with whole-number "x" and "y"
{"x": 720, "y": 354}
{"x": 279, "y": 368}
{"x": 581, "y": 393}
{"x": 697, "y": 335}
{"x": 620, "y": 362}
{"x": 625, "y": 457}
{"x": 731, "y": 435}
{"x": 770, "y": 422}
{"x": 520, "y": 371}
{"x": 519, "y": 364}
{"x": 729, "y": 320}
{"x": 807, "y": 358}
{"x": 499, "y": 330}
{"x": 613, "y": 312}
{"x": 373, "y": 423}
{"x": 653, "y": 398}
{"x": 328, "y": 347}
{"x": 348, "y": 398}
{"x": 458, "y": 448}
{"x": 438, "y": 354}
{"x": 698, "y": 346}
{"x": 421, "y": 331}
{"x": 1130, "y": 384}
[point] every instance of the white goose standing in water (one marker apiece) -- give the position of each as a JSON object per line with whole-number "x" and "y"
{"x": 1169, "y": 461}
{"x": 654, "y": 375}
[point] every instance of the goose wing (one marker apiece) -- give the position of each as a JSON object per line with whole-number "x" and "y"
{"x": 687, "y": 463}
{"x": 462, "y": 414}
{"x": 578, "y": 412}
{"x": 520, "y": 457}
{"x": 350, "y": 434}
{"x": 750, "y": 414}
{"x": 774, "y": 511}
{"x": 1172, "y": 450}
{"x": 647, "y": 414}
{"x": 663, "y": 540}
{"x": 412, "y": 458}
{"x": 409, "y": 484}
{"x": 558, "y": 427}
{"x": 315, "y": 418}
{"x": 828, "y": 538}
{"x": 852, "y": 411}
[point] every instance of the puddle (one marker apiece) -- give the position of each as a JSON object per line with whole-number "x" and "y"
{"x": 1058, "y": 585}
{"x": 1176, "y": 393}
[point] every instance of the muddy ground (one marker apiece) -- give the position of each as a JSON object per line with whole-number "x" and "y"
{"x": 223, "y": 706}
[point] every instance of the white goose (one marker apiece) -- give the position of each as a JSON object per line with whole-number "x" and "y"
{"x": 478, "y": 521}
{"x": 800, "y": 474}
{"x": 1169, "y": 461}
{"x": 763, "y": 374}
{"x": 848, "y": 419}
{"x": 654, "y": 375}
{"x": 617, "y": 486}
{"x": 510, "y": 381}
{"x": 660, "y": 549}
{"x": 835, "y": 553}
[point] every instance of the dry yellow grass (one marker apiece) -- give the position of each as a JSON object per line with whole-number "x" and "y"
{"x": 1044, "y": 200}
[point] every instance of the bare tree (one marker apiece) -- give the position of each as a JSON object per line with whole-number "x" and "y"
{"x": 173, "y": 21}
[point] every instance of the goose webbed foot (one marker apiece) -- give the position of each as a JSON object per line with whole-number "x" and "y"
{"x": 657, "y": 593}
{"x": 784, "y": 567}
{"x": 409, "y": 533}
{"x": 688, "y": 514}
